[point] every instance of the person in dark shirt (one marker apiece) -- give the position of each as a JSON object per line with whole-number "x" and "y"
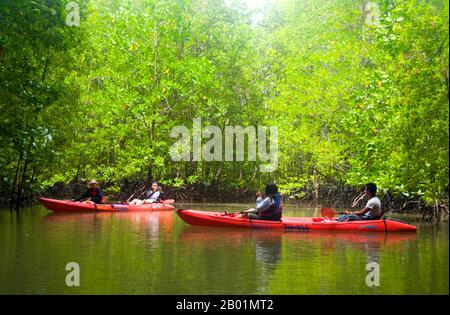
{"x": 94, "y": 194}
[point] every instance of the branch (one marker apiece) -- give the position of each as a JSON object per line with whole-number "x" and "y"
{"x": 439, "y": 50}
{"x": 165, "y": 110}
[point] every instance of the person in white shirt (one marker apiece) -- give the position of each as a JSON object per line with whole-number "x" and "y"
{"x": 153, "y": 194}
{"x": 371, "y": 211}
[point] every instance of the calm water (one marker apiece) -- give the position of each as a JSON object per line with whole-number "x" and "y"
{"x": 157, "y": 253}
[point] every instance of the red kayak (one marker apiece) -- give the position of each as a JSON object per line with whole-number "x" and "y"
{"x": 208, "y": 218}
{"x": 70, "y": 206}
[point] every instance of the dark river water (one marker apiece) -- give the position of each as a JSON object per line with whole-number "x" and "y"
{"x": 157, "y": 253}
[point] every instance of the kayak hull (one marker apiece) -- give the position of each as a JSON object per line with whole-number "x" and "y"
{"x": 207, "y": 218}
{"x": 73, "y": 206}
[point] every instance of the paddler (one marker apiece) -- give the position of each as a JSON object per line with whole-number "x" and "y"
{"x": 372, "y": 210}
{"x": 269, "y": 208}
{"x": 93, "y": 195}
{"x": 153, "y": 194}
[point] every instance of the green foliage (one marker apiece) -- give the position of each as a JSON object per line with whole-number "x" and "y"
{"x": 370, "y": 103}
{"x": 353, "y": 102}
{"x": 35, "y": 56}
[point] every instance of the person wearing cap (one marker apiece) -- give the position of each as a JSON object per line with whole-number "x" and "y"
{"x": 94, "y": 194}
{"x": 153, "y": 194}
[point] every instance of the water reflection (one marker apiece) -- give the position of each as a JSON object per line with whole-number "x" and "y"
{"x": 146, "y": 225}
{"x": 372, "y": 244}
{"x": 263, "y": 250}
{"x": 268, "y": 251}
{"x": 157, "y": 253}
{"x": 209, "y": 236}
{"x": 268, "y": 244}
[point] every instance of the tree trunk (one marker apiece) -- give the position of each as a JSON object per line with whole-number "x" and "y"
{"x": 20, "y": 184}
{"x": 13, "y": 188}
{"x": 156, "y": 79}
{"x": 316, "y": 186}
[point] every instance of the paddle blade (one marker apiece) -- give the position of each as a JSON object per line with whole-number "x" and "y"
{"x": 328, "y": 213}
{"x": 168, "y": 201}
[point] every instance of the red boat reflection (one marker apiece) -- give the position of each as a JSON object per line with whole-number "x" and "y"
{"x": 209, "y": 237}
{"x": 143, "y": 220}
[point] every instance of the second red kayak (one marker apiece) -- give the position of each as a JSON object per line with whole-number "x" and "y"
{"x": 73, "y": 206}
{"x": 208, "y": 218}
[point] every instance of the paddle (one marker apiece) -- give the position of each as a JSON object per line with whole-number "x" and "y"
{"x": 358, "y": 199}
{"x": 128, "y": 200}
{"x": 233, "y": 214}
{"x": 168, "y": 201}
{"x": 329, "y": 213}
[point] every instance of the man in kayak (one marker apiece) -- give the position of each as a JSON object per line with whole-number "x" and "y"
{"x": 372, "y": 210}
{"x": 269, "y": 208}
{"x": 93, "y": 195}
{"x": 153, "y": 194}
